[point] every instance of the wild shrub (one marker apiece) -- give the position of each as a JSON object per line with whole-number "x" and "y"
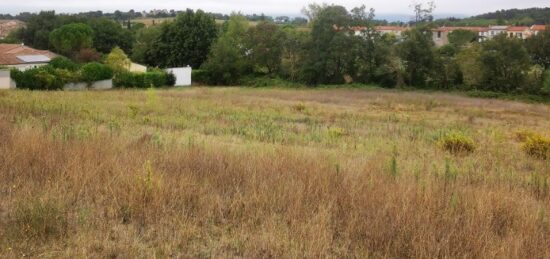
{"x": 546, "y": 82}
{"x": 41, "y": 78}
{"x": 63, "y": 63}
{"x": 537, "y": 146}
{"x": 524, "y": 135}
{"x": 37, "y": 219}
{"x": 457, "y": 143}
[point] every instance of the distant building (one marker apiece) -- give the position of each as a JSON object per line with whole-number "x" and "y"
{"x": 536, "y": 29}
{"x": 520, "y": 32}
{"x": 441, "y": 34}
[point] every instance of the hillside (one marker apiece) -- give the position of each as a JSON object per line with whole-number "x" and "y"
{"x": 536, "y": 15}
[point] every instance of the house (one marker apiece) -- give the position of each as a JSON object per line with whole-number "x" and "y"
{"x": 496, "y": 30}
{"x": 520, "y": 32}
{"x": 536, "y": 29}
{"x": 20, "y": 57}
{"x": 441, "y": 34}
{"x": 397, "y": 31}
{"x": 7, "y": 26}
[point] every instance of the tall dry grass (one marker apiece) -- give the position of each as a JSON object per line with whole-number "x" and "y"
{"x": 80, "y": 178}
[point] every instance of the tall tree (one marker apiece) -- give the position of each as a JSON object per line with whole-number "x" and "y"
{"x": 539, "y": 48}
{"x": 265, "y": 46}
{"x": 227, "y": 62}
{"x": 416, "y": 51}
{"x": 186, "y": 41}
{"x": 423, "y": 12}
{"x": 505, "y": 63}
{"x": 71, "y": 38}
{"x": 109, "y": 34}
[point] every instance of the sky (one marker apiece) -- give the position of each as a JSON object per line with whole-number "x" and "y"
{"x": 269, "y": 7}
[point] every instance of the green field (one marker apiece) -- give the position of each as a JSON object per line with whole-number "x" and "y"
{"x": 254, "y": 173}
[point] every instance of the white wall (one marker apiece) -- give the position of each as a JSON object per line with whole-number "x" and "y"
{"x": 5, "y": 80}
{"x": 183, "y": 75}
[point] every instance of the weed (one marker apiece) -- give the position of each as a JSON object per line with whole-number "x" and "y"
{"x": 39, "y": 220}
{"x": 336, "y": 132}
{"x": 457, "y": 143}
{"x": 299, "y": 107}
{"x": 537, "y": 146}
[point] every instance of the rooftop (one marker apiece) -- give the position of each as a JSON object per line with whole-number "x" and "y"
{"x": 18, "y": 54}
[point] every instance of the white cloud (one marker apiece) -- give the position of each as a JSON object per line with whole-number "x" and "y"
{"x": 265, "y": 6}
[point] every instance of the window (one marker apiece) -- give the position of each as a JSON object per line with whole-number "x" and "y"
{"x": 439, "y": 34}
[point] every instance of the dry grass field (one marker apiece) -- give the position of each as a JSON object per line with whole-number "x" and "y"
{"x": 259, "y": 173}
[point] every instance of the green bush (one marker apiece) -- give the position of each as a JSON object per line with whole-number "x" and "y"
{"x": 156, "y": 78}
{"x": 457, "y": 143}
{"x": 42, "y": 78}
{"x": 63, "y": 63}
{"x": 94, "y": 71}
{"x": 200, "y": 76}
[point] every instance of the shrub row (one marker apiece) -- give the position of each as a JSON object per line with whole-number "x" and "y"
{"x": 157, "y": 78}
{"x": 60, "y": 72}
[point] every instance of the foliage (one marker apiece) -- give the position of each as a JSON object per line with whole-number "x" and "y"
{"x": 469, "y": 62}
{"x": 109, "y": 34}
{"x": 416, "y": 51}
{"x": 38, "y": 27}
{"x": 537, "y": 15}
{"x": 199, "y": 76}
{"x": 538, "y": 47}
{"x": 63, "y": 63}
{"x": 117, "y": 60}
{"x": 457, "y": 143}
{"x": 71, "y": 38}
{"x": 157, "y": 78}
{"x": 505, "y": 63}
{"x": 546, "y": 82}
{"x": 87, "y": 55}
{"x": 94, "y": 71}
{"x": 264, "y": 43}
{"x": 459, "y": 38}
{"x": 184, "y": 42}
{"x": 42, "y": 78}
{"x": 145, "y": 38}
{"x": 227, "y": 62}
{"x": 537, "y": 146}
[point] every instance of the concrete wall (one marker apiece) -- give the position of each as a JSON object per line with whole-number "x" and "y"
{"x": 5, "y": 80}
{"x": 183, "y": 75}
{"x": 98, "y": 85}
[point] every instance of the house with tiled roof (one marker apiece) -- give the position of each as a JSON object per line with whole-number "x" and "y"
{"x": 536, "y": 29}
{"x": 21, "y": 57}
{"x": 520, "y": 32}
{"x": 441, "y": 35}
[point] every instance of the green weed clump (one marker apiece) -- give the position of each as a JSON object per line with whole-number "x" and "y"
{"x": 336, "y": 132}
{"x": 537, "y": 146}
{"x": 457, "y": 143}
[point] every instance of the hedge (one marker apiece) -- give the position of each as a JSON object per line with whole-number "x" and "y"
{"x": 94, "y": 71}
{"x": 156, "y": 78}
{"x": 42, "y": 78}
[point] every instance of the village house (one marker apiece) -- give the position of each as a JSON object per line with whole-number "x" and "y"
{"x": 21, "y": 57}
{"x": 7, "y": 26}
{"x": 520, "y": 32}
{"x": 441, "y": 35}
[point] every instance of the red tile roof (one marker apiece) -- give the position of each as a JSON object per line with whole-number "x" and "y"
{"x": 9, "y": 53}
{"x": 538, "y": 27}
{"x": 517, "y": 28}
{"x": 390, "y": 28}
{"x": 450, "y": 29}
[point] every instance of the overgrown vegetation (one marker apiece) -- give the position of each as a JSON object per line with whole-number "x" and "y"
{"x": 242, "y": 172}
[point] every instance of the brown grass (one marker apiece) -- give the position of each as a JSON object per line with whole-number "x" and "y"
{"x": 244, "y": 173}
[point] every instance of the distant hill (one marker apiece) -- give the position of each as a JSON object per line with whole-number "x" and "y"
{"x": 534, "y": 15}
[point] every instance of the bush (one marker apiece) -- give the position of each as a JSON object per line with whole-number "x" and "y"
{"x": 200, "y": 76}
{"x": 63, "y": 63}
{"x": 42, "y": 78}
{"x": 94, "y": 71}
{"x": 457, "y": 143}
{"x": 157, "y": 78}
{"x": 537, "y": 146}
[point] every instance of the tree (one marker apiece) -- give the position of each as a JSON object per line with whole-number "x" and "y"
{"x": 38, "y": 27}
{"x": 227, "y": 61}
{"x": 416, "y": 51}
{"x": 459, "y": 38}
{"x": 109, "y": 34}
{"x": 505, "y": 63}
{"x": 117, "y": 60}
{"x": 71, "y": 38}
{"x": 186, "y": 41}
{"x": 293, "y": 52}
{"x": 423, "y": 12}
{"x": 145, "y": 38}
{"x": 538, "y": 47}
{"x": 264, "y": 43}
{"x": 469, "y": 61}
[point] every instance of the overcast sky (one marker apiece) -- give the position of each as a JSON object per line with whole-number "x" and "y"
{"x": 271, "y": 7}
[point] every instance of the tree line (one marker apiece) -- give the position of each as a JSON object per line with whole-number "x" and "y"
{"x": 328, "y": 51}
